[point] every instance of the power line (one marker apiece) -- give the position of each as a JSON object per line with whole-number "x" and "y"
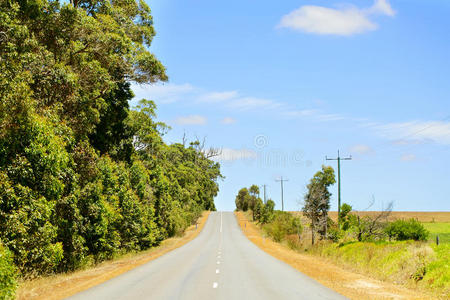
{"x": 339, "y": 158}
{"x": 281, "y": 182}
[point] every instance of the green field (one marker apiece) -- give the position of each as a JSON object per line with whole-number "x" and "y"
{"x": 441, "y": 229}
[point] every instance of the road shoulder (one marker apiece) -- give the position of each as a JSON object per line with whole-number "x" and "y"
{"x": 349, "y": 284}
{"x": 65, "y": 285}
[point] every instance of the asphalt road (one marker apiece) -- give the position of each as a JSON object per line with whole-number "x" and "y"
{"x": 220, "y": 263}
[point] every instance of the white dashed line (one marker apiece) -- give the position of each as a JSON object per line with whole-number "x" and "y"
{"x": 218, "y": 262}
{"x": 218, "y": 256}
{"x": 215, "y": 285}
{"x": 217, "y": 271}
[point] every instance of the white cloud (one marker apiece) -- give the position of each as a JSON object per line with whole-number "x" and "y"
{"x": 228, "y": 120}
{"x": 247, "y": 103}
{"x": 228, "y": 154}
{"x": 346, "y": 20}
{"x": 330, "y": 117}
{"x": 361, "y": 149}
{"x": 382, "y": 7}
{"x": 408, "y": 157}
{"x": 191, "y": 120}
{"x": 314, "y": 114}
{"x": 416, "y": 132}
{"x": 301, "y": 113}
{"x": 231, "y": 100}
{"x": 163, "y": 93}
{"x": 218, "y": 96}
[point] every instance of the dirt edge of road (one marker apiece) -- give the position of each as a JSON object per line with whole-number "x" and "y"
{"x": 65, "y": 285}
{"x": 349, "y": 284}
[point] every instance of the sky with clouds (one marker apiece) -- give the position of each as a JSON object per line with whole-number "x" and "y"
{"x": 280, "y": 86}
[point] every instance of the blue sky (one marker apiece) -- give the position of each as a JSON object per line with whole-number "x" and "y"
{"x": 280, "y": 85}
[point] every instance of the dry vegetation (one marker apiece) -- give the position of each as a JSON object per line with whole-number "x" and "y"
{"x": 396, "y": 215}
{"x": 64, "y": 285}
{"x": 345, "y": 282}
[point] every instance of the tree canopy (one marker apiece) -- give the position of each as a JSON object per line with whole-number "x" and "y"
{"x": 82, "y": 176}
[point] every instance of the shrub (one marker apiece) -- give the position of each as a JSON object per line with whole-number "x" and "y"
{"x": 8, "y": 275}
{"x": 407, "y": 230}
{"x": 267, "y": 213}
{"x": 333, "y": 232}
{"x": 284, "y": 224}
{"x": 293, "y": 241}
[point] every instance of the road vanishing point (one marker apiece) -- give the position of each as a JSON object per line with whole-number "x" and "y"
{"x": 220, "y": 263}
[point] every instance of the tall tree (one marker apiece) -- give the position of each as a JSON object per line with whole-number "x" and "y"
{"x": 317, "y": 201}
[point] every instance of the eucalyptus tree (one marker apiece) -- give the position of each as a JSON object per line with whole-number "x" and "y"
{"x": 317, "y": 200}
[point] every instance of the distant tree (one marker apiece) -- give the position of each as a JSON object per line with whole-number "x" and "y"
{"x": 258, "y": 209}
{"x": 267, "y": 212}
{"x": 344, "y": 216}
{"x": 247, "y": 198}
{"x": 317, "y": 201}
{"x": 242, "y": 199}
{"x": 254, "y": 190}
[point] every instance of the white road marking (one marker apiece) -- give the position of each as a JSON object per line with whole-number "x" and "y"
{"x": 218, "y": 262}
{"x": 218, "y": 256}
{"x": 217, "y": 271}
{"x": 215, "y": 285}
{"x": 220, "y": 221}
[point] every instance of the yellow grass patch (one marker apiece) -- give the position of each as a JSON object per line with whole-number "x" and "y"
{"x": 347, "y": 283}
{"x": 64, "y": 285}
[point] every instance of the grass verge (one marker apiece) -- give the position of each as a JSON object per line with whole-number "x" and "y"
{"x": 61, "y": 286}
{"x": 442, "y": 229}
{"x": 329, "y": 272}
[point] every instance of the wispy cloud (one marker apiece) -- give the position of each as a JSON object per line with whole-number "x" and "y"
{"x": 229, "y": 154}
{"x": 361, "y": 149}
{"x": 231, "y": 100}
{"x": 408, "y": 157}
{"x": 314, "y": 114}
{"x": 301, "y": 113}
{"x": 164, "y": 93}
{"x": 191, "y": 120}
{"x": 415, "y": 132}
{"x": 216, "y": 97}
{"x": 344, "y": 20}
{"x": 228, "y": 121}
{"x": 248, "y": 103}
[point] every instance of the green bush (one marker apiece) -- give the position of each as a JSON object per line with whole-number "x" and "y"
{"x": 8, "y": 274}
{"x": 402, "y": 230}
{"x": 283, "y": 224}
{"x": 267, "y": 212}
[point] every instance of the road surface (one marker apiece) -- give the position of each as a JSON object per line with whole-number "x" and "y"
{"x": 220, "y": 263}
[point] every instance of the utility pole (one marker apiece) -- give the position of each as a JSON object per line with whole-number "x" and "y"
{"x": 281, "y": 182}
{"x": 265, "y": 194}
{"x": 339, "y": 180}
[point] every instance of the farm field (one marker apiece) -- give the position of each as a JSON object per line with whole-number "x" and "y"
{"x": 424, "y": 217}
{"x": 437, "y": 223}
{"x": 442, "y": 229}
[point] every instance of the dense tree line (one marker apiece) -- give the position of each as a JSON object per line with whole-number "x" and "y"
{"x": 82, "y": 176}
{"x": 248, "y": 199}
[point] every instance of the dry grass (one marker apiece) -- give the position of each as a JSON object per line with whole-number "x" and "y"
{"x": 440, "y": 216}
{"x": 64, "y": 285}
{"x": 347, "y": 283}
